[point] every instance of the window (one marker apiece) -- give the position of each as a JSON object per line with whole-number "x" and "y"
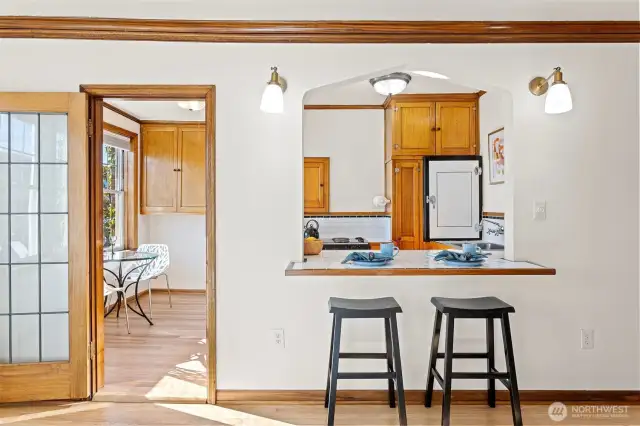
{"x": 113, "y": 197}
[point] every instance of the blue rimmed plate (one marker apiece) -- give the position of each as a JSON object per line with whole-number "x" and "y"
{"x": 371, "y": 263}
{"x": 461, "y": 264}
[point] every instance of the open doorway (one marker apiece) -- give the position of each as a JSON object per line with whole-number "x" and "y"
{"x": 152, "y": 223}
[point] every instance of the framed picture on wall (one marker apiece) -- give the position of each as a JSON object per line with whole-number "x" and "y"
{"x": 496, "y": 156}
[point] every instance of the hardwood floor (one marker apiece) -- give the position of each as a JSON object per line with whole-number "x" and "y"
{"x": 125, "y": 414}
{"x": 163, "y": 362}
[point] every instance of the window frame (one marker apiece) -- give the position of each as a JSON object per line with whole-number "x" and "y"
{"x": 130, "y": 185}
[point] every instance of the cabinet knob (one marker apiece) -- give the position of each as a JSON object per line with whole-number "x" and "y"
{"x": 397, "y": 170}
{"x": 396, "y": 146}
{"x": 437, "y": 129}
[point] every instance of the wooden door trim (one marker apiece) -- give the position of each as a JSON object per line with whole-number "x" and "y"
{"x": 207, "y": 93}
{"x": 132, "y": 201}
{"x": 213, "y": 31}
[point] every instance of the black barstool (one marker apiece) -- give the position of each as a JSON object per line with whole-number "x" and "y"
{"x": 385, "y": 308}
{"x": 480, "y": 307}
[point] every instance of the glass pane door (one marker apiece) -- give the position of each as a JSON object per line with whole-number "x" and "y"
{"x": 44, "y": 247}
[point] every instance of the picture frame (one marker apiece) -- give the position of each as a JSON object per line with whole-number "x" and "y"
{"x": 495, "y": 145}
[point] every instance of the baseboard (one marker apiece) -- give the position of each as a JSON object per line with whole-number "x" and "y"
{"x": 416, "y": 397}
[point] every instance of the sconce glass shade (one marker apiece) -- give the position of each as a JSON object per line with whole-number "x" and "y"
{"x": 272, "y": 99}
{"x": 558, "y": 99}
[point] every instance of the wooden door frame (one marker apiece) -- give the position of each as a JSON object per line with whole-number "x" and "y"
{"x": 97, "y": 94}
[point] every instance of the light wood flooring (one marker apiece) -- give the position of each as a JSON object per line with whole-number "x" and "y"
{"x": 163, "y": 362}
{"x": 125, "y": 414}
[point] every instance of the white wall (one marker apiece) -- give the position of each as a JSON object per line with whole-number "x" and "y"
{"x": 354, "y": 142}
{"x": 583, "y": 163}
{"x": 185, "y": 236}
{"x": 493, "y": 115}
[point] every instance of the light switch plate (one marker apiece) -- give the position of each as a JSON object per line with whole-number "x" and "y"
{"x": 540, "y": 210}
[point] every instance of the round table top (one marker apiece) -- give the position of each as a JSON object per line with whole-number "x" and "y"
{"x": 128, "y": 256}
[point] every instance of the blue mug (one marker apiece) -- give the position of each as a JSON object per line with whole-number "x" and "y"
{"x": 389, "y": 249}
{"x": 471, "y": 248}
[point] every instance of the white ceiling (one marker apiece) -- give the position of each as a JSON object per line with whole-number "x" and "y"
{"x": 362, "y": 93}
{"x": 157, "y": 110}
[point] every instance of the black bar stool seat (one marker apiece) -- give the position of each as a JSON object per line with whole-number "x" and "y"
{"x": 488, "y": 308}
{"x": 477, "y": 307}
{"x": 385, "y": 308}
{"x": 364, "y": 308}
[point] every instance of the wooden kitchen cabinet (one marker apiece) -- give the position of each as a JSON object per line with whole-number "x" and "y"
{"x": 316, "y": 185}
{"x": 172, "y": 168}
{"x": 406, "y": 202}
{"x": 431, "y": 124}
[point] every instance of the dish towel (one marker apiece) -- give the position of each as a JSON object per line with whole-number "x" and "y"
{"x": 460, "y": 257}
{"x": 366, "y": 257}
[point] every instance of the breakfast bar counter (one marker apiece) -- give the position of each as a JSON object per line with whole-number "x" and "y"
{"x": 410, "y": 262}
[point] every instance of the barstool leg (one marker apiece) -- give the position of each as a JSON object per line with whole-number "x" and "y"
{"x": 402, "y": 409}
{"x": 387, "y": 338}
{"x": 433, "y": 358}
{"x": 333, "y": 333}
{"x": 335, "y": 359}
{"x": 511, "y": 370}
{"x": 491, "y": 364}
{"x": 448, "y": 367}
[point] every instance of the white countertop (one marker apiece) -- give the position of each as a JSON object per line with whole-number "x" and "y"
{"x": 411, "y": 262}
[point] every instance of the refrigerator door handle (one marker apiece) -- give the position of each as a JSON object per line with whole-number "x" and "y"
{"x": 431, "y": 199}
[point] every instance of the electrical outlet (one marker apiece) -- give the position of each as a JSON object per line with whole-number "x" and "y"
{"x": 540, "y": 210}
{"x": 277, "y": 336}
{"x": 587, "y": 338}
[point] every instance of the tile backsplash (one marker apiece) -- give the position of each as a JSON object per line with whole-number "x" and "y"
{"x": 372, "y": 228}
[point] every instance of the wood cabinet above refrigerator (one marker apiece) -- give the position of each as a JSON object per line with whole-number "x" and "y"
{"x": 431, "y": 124}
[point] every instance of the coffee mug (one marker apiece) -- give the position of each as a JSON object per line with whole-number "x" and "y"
{"x": 470, "y": 248}
{"x": 389, "y": 249}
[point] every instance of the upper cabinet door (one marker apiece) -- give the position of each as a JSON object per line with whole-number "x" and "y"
{"x": 316, "y": 185}
{"x": 456, "y": 128}
{"x": 414, "y": 129}
{"x": 453, "y": 211}
{"x": 191, "y": 169}
{"x": 407, "y": 199}
{"x": 159, "y": 177}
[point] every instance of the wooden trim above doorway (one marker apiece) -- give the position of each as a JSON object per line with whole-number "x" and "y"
{"x": 320, "y": 31}
{"x": 145, "y": 91}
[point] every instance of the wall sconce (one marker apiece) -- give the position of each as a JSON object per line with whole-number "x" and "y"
{"x": 273, "y": 95}
{"x": 559, "y": 96}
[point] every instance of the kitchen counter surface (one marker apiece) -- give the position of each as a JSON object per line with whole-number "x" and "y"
{"x": 410, "y": 262}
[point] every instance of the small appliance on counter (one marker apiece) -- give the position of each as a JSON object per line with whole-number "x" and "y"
{"x": 343, "y": 243}
{"x": 312, "y": 231}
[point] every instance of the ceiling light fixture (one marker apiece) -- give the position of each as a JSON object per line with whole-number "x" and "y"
{"x": 390, "y": 84}
{"x": 192, "y": 105}
{"x": 558, "y": 97}
{"x": 273, "y": 95}
{"x": 431, "y": 74}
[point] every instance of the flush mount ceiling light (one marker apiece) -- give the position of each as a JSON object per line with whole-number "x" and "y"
{"x": 192, "y": 105}
{"x": 273, "y": 95}
{"x": 391, "y": 84}
{"x": 431, "y": 74}
{"x": 558, "y": 96}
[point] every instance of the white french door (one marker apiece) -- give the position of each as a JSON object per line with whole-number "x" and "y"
{"x": 44, "y": 247}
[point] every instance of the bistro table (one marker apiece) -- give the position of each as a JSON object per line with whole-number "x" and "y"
{"x": 136, "y": 263}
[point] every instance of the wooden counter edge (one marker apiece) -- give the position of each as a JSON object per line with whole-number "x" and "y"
{"x": 290, "y": 272}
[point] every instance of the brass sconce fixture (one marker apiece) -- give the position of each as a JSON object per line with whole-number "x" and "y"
{"x": 558, "y": 94}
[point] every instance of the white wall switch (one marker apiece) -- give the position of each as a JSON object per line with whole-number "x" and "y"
{"x": 540, "y": 210}
{"x": 587, "y": 338}
{"x": 277, "y": 336}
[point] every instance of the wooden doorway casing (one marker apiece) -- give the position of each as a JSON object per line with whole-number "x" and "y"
{"x": 97, "y": 94}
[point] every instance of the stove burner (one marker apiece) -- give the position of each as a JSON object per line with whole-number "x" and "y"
{"x": 340, "y": 240}
{"x": 360, "y": 239}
